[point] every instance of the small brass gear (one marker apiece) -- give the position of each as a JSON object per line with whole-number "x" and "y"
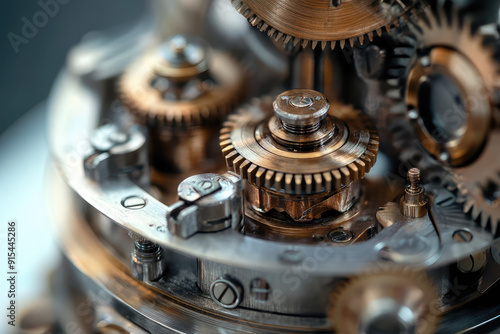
{"x": 258, "y": 146}
{"x": 324, "y": 23}
{"x": 181, "y": 83}
{"x": 479, "y": 187}
{"x": 389, "y": 299}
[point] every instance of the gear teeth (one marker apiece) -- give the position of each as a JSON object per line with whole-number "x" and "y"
{"x": 251, "y": 173}
{"x": 494, "y": 228}
{"x": 288, "y": 183}
{"x": 318, "y": 181}
{"x": 269, "y": 182}
{"x": 346, "y": 177}
{"x": 278, "y": 181}
{"x": 308, "y": 183}
{"x": 260, "y": 177}
{"x": 148, "y": 107}
{"x": 370, "y": 36}
{"x": 327, "y": 176}
{"x": 297, "y": 183}
{"x": 244, "y": 169}
{"x": 230, "y": 157}
{"x": 337, "y": 179}
{"x": 395, "y": 279}
{"x": 361, "y": 39}
{"x": 271, "y": 31}
{"x": 238, "y": 162}
{"x": 226, "y": 144}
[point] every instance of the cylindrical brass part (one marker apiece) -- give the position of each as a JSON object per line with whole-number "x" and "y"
{"x": 413, "y": 203}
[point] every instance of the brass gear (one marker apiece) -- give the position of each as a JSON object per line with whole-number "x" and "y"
{"x": 445, "y": 40}
{"x": 218, "y": 77}
{"x": 252, "y": 152}
{"x": 320, "y": 23}
{"x": 374, "y": 298}
{"x": 457, "y": 61}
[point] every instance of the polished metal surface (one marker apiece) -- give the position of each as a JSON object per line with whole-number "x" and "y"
{"x": 208, "y": 203}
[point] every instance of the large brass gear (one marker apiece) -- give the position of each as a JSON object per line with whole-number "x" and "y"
{"x": 221, "y": 82}
{"x": 251, "y": 151}
{"x": 446, "y": 44}
{"x": 322, "y": 23}
{"x": 454, "y": 60}
{"x": 370, "y": 300}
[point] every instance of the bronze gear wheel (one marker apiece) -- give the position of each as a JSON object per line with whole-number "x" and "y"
{"x": 222, "y": 91}
{"x": 450, "y": 90}
{"x": 251, "y": 151}
{"x": 319, "y": 22}
{"x": 443, "y": 40}
{"x": 479, "y": 179}
{"x": 390, "y": 299}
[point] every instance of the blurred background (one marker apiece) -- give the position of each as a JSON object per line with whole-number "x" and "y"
{"x": 30, "y": 59}
{"x": 27, "y": 75}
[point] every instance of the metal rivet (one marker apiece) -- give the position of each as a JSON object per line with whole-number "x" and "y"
{"x": 225, "y": 293}
{"x": 259, "y": 289}
{"x": 462, "y": 236}
{"x": 133, "y": 202}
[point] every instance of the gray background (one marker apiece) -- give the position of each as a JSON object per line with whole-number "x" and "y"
{"x": 26, "y": 77}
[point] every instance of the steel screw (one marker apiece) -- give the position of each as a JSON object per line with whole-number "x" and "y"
{"x": 301, "y": 101}
{"x": 259, "y": 289}
{"x": 462, "y": 236}
{"x": 340, "y": 236}
{"x": 133, "y": 202}
{"x": 225, "y": 293}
